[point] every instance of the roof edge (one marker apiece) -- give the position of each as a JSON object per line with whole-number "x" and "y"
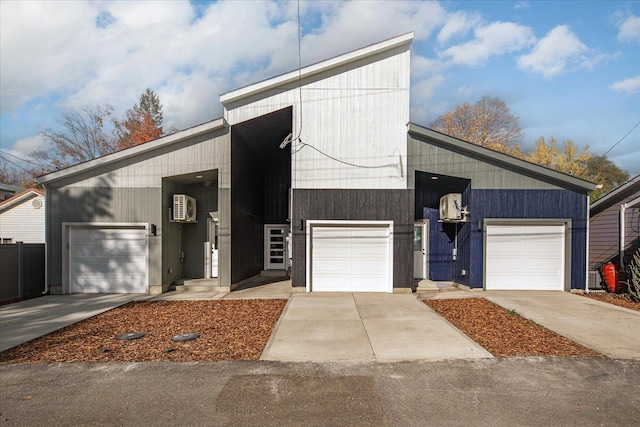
{"x": 20, "y": 197}
{"x": 614, "y": 193}
{"x": 316, "y": 68}
{"x": 133, "y": 151}
{"x": 487, "y": 153}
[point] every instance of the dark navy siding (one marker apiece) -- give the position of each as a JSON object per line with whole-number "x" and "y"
{"x": 515, "y": 204}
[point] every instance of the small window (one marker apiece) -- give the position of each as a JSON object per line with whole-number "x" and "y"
{"x": 7, "y": 240}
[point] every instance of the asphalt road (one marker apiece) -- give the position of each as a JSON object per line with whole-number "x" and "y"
{"x": 491, "y": 392}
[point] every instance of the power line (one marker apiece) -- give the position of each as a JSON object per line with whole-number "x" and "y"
{"x": 15, "y": 164}
{"x": 620, "y": 140}
{"x": 19, "y": 158}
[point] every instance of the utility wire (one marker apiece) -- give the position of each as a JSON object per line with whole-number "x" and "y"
{"x": 621, "y": 139}
{"x": 15, "y": 164}
{"x": 19, "y": 158}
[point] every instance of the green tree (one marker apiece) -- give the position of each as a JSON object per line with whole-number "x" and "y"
{"x": 604, "y": 172}
{"x": 488, "y": 122}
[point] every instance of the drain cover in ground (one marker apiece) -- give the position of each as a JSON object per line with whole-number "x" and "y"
{"x": 130, "y": 336}
{"x": 185, "y": 337}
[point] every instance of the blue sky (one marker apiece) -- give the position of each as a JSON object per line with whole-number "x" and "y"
{"x": 567, "y": 69}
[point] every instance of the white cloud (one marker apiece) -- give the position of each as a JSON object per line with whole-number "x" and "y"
{"x": 458, "y": 24}
{"x": 522, "y": 5}
{"x": 491, "y": 40}
{"x": 629, "y": 29}
{"x": 556, "y": 52}
{"x": 25, "y": 146}
{"x": 631, "y": 85}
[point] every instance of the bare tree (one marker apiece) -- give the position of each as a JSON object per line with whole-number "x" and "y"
{"x": 488, "y": 123}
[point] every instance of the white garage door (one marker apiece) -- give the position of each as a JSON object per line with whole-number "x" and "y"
{"x": 351, "y": 259}
{"x": 525, "y": 257}
{"x": 108, "y": 260}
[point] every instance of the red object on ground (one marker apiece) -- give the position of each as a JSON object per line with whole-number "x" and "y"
{"x": 614, "y": 278}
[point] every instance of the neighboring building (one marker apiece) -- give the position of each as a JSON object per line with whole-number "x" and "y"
{"x": 614, "y": 226}
{"x": 318, "y": 171}
{"x": 22, "y": 217}
{"x": 7, "y": 191}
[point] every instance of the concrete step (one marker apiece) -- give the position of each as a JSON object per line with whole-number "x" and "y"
{"x": 274, "y": 273}
{"x": 198, "y": 285}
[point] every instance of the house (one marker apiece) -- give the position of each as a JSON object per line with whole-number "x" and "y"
{"x": 614, "y": 227}
{"x": 22, "y": 217}
{"x": 7, "y": 191}
{"x": 317, "y": 172}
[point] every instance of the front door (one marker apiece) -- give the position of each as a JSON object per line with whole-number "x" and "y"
{"x": 421, "y": 250}
{"x": 275, "y": 247}
{"x": 212, "y": 236}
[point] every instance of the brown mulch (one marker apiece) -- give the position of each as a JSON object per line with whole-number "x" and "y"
{"x": 504, "y": 333}
{"x": 622, "y": 300}
{"x": 229, "y": 330}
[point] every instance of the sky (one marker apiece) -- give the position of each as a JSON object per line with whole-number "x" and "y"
{"x": 567, "y": 69}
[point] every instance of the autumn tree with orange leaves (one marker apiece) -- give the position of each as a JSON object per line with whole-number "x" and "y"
{"x": 93, "y": 132}
{"x": 143, "y": 122}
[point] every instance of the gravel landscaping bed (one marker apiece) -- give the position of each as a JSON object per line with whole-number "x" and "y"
{"x": 504, "y": 333}
{"x": 229, "y": 330}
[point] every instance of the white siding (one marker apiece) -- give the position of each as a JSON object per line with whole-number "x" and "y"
{"x": 356, "y": 113}
{"x": 23, "y": 222}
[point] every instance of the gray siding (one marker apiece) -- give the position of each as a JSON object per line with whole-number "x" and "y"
{"x": 604, "y": 233}
{"x": 426, "y": 156}
{"x": 394, "y": 205}
{"x": 131, "y": 190}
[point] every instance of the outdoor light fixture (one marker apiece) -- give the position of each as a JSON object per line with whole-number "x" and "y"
{"x": 286, "y": 141}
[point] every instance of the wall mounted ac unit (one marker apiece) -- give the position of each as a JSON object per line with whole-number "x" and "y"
{"x": 184, "y": 208}
{"x": 451, "y": 207}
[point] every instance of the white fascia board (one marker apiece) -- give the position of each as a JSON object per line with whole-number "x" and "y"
{"x": 133, "y": 151}
{"x": 635, "y": 203}
{"x": 316, "y": 68}
{"x": 18, "y": 199}
{"x": 479, "y": 151}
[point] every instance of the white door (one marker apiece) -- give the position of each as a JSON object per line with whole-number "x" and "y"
{"x": 525, "y": 257}
{"x": 421, "y": 250}
{"x": 212, "y": 235}
{"x": 275, "y": 247}
{"x": 351, "y": 259}
{"x": 107, "y": 260}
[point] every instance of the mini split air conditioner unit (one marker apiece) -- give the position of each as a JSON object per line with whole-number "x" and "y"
{"x": 451, "y": 208}
{"x": 184, "y": 208}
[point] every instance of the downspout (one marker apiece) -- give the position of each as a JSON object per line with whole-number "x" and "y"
{"x": 46, "y": 241}
{"x": 623, "y": 207}
{"x": 586, "y": 278}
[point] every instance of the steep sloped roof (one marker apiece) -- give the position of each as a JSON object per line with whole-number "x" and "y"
{"x": 20, "y": 197}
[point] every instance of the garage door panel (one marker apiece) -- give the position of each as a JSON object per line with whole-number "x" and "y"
{"x": 108, "y": 260}
{"x": 525, "y": 257}
{"x": 350, "y": 258}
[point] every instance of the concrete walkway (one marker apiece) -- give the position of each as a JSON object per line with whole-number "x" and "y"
{"x": 27, "y": 320}
{"x": 365, "y": 327}
{"x": 605, "y": 328}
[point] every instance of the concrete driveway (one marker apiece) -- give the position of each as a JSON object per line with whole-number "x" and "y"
{"x": 605, "y": 328}
{"x": 27, "y": 320}
{"x": 365, "y": 327}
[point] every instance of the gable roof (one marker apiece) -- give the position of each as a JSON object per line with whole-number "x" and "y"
{"x": 501, "y": 159}
{"x": 135, "y": 150}
{"x": 625, "y": 191}
{"x": 316, "y": 68}
{"x": 20, "y": 198}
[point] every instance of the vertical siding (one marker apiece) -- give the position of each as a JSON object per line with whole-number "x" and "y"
{"x": 394, "y": 205}
{"x": 356, "y": 113}
{"x": 23, "y": 222}
{"x": 131, "y": 190}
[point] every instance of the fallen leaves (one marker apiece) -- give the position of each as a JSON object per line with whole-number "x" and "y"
{"x": 229, "y": 330}
{"x": 621, "y": 300}
{"x": 504, "y": 333}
